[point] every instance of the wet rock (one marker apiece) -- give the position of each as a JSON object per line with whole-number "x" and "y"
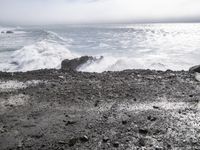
{"x": 73, "y": 64}
{"x": 195, "y": 69}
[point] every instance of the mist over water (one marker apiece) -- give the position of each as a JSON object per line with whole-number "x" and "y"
{"x": 138, "y": 46}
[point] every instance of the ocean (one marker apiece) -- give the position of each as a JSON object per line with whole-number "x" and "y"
{"x": 123, "y": 46}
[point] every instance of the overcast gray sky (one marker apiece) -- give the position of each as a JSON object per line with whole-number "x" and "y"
{"x": 98, "y": 11}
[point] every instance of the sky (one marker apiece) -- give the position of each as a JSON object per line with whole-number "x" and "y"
{"x": 98, "y": 11}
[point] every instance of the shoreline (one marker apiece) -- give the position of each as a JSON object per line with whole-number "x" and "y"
{"x": 130, "y": 109}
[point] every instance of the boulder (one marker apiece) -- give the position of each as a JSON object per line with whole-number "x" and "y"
{"x": 2, "y": 32}
{"x": 9, "y": 32}
{"x": 73, "y": 64}
{"x": 195, "y": 69}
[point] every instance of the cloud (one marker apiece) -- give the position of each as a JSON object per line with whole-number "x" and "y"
{"x": 95, "y": 11}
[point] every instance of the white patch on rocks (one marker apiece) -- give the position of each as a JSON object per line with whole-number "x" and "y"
{"x": 12, "y": 85}
{"x": 154, "y": 105}
{"x": 13, "y": 101}
{"x": 17, "y": 100}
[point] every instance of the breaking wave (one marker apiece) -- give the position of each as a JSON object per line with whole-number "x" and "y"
{"x": 112, "y": 63}
{"x": 158, "y": 47}
{"x": 47, "y": 53}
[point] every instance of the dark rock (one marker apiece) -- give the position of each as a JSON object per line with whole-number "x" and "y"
{"x": 116, "y": 144}
{"x": 151, "y": 118}
{"x": 155, "y": 107}
{"x": 141, "y": 142}
{"x": 14, "y": 63}
{"x": 70, "y": 122}
{"x": 84, "y": 139}
{"x": 96, "y": 103}
{"x": 73, "y": 64}
{"x": 72, "y": 142}
{"x": 9, "y": 32}
{"x": 158, "y": 148}
{"x": 61, "y": 142}
{"x": 2, "y": 32}
{"x": 143, "y": 131}
{"x": 195, "y": 69}
{"x": 105, "y": 139}
{"x": 124, "y": 122}
{"x": 191, "y": 96}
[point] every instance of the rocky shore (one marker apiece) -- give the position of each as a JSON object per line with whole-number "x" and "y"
{"x": 127, "y": 110}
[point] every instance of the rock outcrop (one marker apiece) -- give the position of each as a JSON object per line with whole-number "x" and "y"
{"x": 73, "y": 64}
{"x": 195, "y": 69}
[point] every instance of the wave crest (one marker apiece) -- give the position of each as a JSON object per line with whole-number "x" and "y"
{"x": 47, "y": 53}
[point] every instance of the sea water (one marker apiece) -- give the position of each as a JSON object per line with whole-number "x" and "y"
{"x": 123, "y": 46}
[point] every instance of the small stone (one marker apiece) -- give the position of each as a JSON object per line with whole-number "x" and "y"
{"x": 116, "y": 144}
{"x": 61, "y": 77}
{"x": 151, "y": 118}
{"x": 84, "y": 139}
{"x": 72, "y": 142}
{"x": 96, "y": 103}
{"x": 141, "y": 142}
{"x": 70, "y": 122}
{"x": 66, "y": 115}
{"x": 61, "y": 142}
{"x": 158, "y": 148}
{"x": 105, "y": 139}
{"x": 155, "y": 107}
{"x": 143, "y": 131}
{"x": 191, "y": 95}
{"x": 124, "y": 122}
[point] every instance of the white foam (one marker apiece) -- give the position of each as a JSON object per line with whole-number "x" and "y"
{"x": 47, "y": 53}
{"x": 43, "y": 54}
{"x": 154, "y": 61}
{"x": 110, "y": 63}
